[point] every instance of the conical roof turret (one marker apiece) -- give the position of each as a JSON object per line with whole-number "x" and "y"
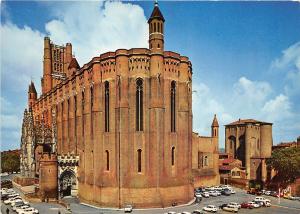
{"x": 215, "y": 122}
{"x": 31, "y": 88}
{"x": 156, "y": 13}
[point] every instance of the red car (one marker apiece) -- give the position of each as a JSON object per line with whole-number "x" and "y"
{"x": 246, "y": 205}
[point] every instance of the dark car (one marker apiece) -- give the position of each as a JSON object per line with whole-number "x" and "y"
{"x": 246, "y": 205}
{"x": 226, "y": 192}
{"x": 223, "y": 205}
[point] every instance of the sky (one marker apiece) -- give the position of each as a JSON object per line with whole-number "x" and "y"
{"x": 245, "y": 55}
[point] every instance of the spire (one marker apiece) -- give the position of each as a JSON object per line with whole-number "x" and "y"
{"x": 156, "y": 14}
{"x": 215, "y": 122}
{"x": 32, "y": 88}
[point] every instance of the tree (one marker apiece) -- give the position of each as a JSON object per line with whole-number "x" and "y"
{"x": 286, "y": 162}
{"x": 10, "y": 162}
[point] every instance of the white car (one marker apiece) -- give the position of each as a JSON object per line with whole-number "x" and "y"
{"x": 210, "y": 208}
{"x": 128, "y": 208}
{"x": 205, "y": 194}
{"x": 261, "y": 199}
{"x": 253, "y": 204}
{"x": 234, "y": 204}
{"x": 267, "y": 204}
{"x": 267, "y": 192}
{"x": 19, "y": 209}
{"x": 185, "y": 213}
{"x": 232, "y": 191}
{"x": 226, "y": 187}
{"x": 18, "y": 201}
{"x": 230, "y": 208}
{"x": 29, "y": 210}
{"x": 198, "y": 195}
{"x": 213, "y": 193}
{"x": 23, "y": 206}
{"x": 10, "y": 200}
{"x": 218, "y": 193}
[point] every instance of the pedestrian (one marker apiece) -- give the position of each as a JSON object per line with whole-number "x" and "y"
{"x": 7, "y": 211}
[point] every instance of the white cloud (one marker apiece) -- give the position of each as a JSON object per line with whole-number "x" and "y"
{"x": 91, "y": 27}
{"x": 277, "y": 109}
{"x": 99, "y": 27}
{"x": 21, "y": 56}
{"x": 289, "y": 62}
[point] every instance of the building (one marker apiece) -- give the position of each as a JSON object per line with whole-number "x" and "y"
{"x": 287, "y": 144}
{"x": 117, "y": 130}
{"x": 231, "y": 171}
{"x": 205, "y": 157}
{"x": 251, "y": 142}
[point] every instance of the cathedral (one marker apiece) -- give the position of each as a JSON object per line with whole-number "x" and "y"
{"x": 117, "y": 130}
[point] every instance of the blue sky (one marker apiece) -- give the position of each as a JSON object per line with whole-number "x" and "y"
{"x": 245, "y": 55}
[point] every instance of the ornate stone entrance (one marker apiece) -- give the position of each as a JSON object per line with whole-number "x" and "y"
{"x": 67, "y": 175}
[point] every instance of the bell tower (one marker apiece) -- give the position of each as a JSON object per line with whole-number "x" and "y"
{"x": 215, "y": 127}
{"x": 156, "y": 30}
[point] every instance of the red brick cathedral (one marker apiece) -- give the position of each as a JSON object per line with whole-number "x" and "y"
{"x": 117, "y": 130}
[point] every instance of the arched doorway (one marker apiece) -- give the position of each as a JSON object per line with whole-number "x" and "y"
{"x": 67, "y": 183}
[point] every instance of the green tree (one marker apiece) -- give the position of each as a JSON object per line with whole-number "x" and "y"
{"x": 286, "y": 162}
{"x": 10, "y": 162}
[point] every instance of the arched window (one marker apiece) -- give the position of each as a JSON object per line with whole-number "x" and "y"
{"x": 173, "y": 156}
{"x": 106, "y": 85}
{"x": 205, "y": 161}
{"x": 139, "y": 165}
{"x": 151, "y": 28}
{"x": 173, "y": 106}
{"x": 257, "y": 144}
{"x": 107, "y": 160}
{"x": 68, "y": 116}
{"x": 139, "y": 105}
{"x": 158, "y": 27}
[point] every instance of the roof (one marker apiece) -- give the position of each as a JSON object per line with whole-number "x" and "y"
{"x": 74, "y": 64}
{"x": 227, "y": 167}
{"x": 156, "y": 14}
{"x": 245, "y": 121}
{"x": 228, "y": 160}
{"x": 32, "y": 88}
{"x": 215, "y": 122}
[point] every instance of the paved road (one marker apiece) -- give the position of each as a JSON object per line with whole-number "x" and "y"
{"x": 281, "y": 206}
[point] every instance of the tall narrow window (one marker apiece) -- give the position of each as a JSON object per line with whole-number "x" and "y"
{"x": 91, "y": 113}
{"x": 68, "y": 116}
{"x": 139, "y": 166}
{"x": 75, "y": 117}
{"x": 106, "y": 85}
{"x": 139, "y": 105}
{"x": 82, "y": 111}
{"x": 173, "y": 156}
{"x": 173, "y": 107}
{"x": 107, "y": 160}
{"x": 199, "y": 160}
{"x": 205, "y": 161}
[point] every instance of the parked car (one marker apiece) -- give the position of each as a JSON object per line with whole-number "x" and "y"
{"x": 198, "y": 212}
{"x": 230, "y": 208}
{"x": 128, "y": 208}
{"x": 205, "y": 194}
{"x": 253, "y": 204}
{"x": 210, "y": 208}
{"x": 246, "y": 205}
{"x": 198, "y": 195}
{"x": 29, "y": 210}
{"x": 259, "y": 203}
{"x": 235, "y": 205}
{"x": 222, "y": 205}
{"x": 19, "y": 206}
{"x": 213, "y": 193}
{"x": 261, "y": 199}
{"x": 226, "y": 192}
{"x": 267, "y": 192}
{"x": 10, "y": 200}
{"x": 218, "y": 192}
{"x": 267, "y": 204}
{"x": 254, "y": 191}
{"x": 232, "y": 191}
{"x": 185, "y": 213}
{"x": 226, "y": 187}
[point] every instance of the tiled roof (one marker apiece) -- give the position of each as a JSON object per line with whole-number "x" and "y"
{"x": 245, "y": 121}
{"x": 156, "y": 14}
{"x": 74, "y": 64}
{"x": 227, "y": 167}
